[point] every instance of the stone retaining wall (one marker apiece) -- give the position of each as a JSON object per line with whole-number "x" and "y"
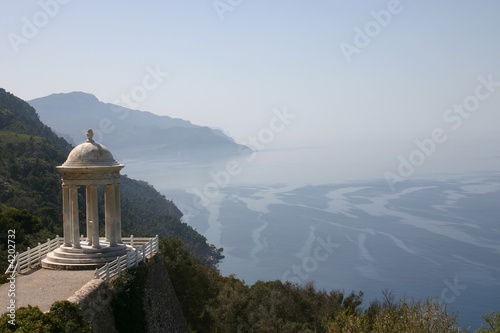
{"x": 163, "y": 311}
{"x": 94, "y": 298}
{"x": 161, "y": 307}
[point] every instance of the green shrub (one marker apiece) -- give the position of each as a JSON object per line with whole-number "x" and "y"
{"x": 491, "y": 323}
{"x": 63, "y": 317}
{"x": 409, "y": 316}
{"x": 127, "y": 300}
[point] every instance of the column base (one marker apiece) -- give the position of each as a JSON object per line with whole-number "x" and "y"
{"x": 86, "y": 257}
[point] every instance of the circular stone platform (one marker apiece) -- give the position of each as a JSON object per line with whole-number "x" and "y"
{"x": 87, "y": 257}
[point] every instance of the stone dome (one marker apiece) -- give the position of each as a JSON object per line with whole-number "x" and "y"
{"x": 90, "y": 154}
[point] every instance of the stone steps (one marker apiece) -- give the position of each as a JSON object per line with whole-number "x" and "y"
{"x": 84, "y": 258}
{"x": 66, "y": 252}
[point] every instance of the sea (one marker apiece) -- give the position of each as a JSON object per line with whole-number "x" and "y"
{"x": 296, "y": 215}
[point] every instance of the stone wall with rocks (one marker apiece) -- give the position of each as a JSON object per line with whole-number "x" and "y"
{"x": 162, "y": 310}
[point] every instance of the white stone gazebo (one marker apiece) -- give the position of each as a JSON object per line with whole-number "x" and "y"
{"x": 89, "y": 164}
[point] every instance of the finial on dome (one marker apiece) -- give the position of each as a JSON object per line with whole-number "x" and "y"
{"x": 90, "y": 135}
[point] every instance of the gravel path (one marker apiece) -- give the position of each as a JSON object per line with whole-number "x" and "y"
{"x": 43, "y": 287}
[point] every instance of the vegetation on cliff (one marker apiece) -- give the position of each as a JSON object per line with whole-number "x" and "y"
{"x": 213, "y": 303}
{"x": 63, "y": 316}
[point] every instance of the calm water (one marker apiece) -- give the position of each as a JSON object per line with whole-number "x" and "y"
{"x": 431, "y": 236}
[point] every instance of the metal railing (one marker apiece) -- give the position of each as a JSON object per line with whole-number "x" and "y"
{"x": 34, "y": 256}
{"x": 129, "y": 260}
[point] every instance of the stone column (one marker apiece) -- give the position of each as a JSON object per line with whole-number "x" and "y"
{"x": 109, "y": 199}
{"x": 88, "y": 214}
{"x": 73, "y": 189}
{"x": 118, "y": 214}
{"x": 93, "y": 216}
{"x": 67, "y": 228}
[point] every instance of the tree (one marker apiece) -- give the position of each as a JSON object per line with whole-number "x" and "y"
{"x": 195, "y": 285}
{"x": 408, "y": 316}
{"x": 491, "y": 323}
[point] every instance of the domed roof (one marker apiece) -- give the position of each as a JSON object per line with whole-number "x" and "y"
{"x": 90, "y": 154}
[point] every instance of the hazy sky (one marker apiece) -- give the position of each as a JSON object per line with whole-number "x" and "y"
{"x": 347, "y": 70}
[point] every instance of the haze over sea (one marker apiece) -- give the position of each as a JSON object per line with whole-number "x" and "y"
{"x": 324, "y": 215}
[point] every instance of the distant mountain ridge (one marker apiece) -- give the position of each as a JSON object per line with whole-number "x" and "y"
{"x": 132, "y": 134}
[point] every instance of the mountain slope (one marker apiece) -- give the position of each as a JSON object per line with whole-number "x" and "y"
{"x": 132, "y": 134}
{"x": 29, "y": 153}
